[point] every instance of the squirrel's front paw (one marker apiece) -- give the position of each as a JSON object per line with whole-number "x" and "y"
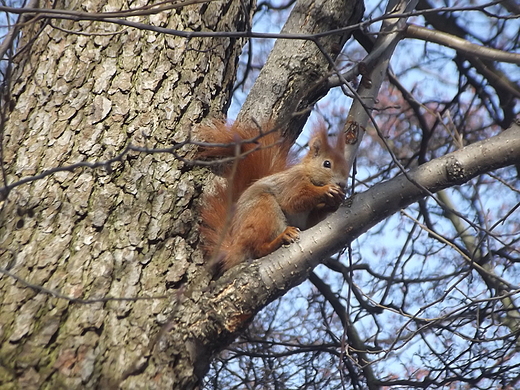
{"x": 290, "y": 234}
{"x": 335, "y": 195}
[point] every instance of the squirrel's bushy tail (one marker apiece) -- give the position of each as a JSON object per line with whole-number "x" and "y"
{"x": 254, "y": 154}
{"x": 258, "y": 153}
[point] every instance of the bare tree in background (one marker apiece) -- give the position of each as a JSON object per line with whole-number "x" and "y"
{"x": 103, "y": 284}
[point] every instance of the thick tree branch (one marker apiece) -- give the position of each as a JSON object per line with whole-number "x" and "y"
{"x": 295, "y": 74}
{"x": 289, "y": 267}
{"x": 245, "y": 289}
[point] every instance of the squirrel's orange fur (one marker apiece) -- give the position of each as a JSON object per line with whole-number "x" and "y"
{"x": 267, "y": 199}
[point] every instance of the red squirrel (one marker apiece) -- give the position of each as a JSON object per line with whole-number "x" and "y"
{"x": 267, "y": 198}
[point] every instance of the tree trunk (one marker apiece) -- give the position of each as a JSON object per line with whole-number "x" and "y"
{"x": 126, "y": 230}
{"x": 103, "y": 285}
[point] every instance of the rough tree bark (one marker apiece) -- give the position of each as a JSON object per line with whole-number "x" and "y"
{"x": 72, "y": 240}
{"x": 124, "y": 231}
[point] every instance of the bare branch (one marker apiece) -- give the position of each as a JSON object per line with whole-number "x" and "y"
{"x": 459, "y": 44}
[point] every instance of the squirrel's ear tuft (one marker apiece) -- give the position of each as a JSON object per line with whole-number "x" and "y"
{"x": 318, "y": 143}
{"x": 315, "y": 145}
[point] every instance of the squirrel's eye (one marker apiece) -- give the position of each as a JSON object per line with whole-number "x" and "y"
{"x": 327, "y": 164}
